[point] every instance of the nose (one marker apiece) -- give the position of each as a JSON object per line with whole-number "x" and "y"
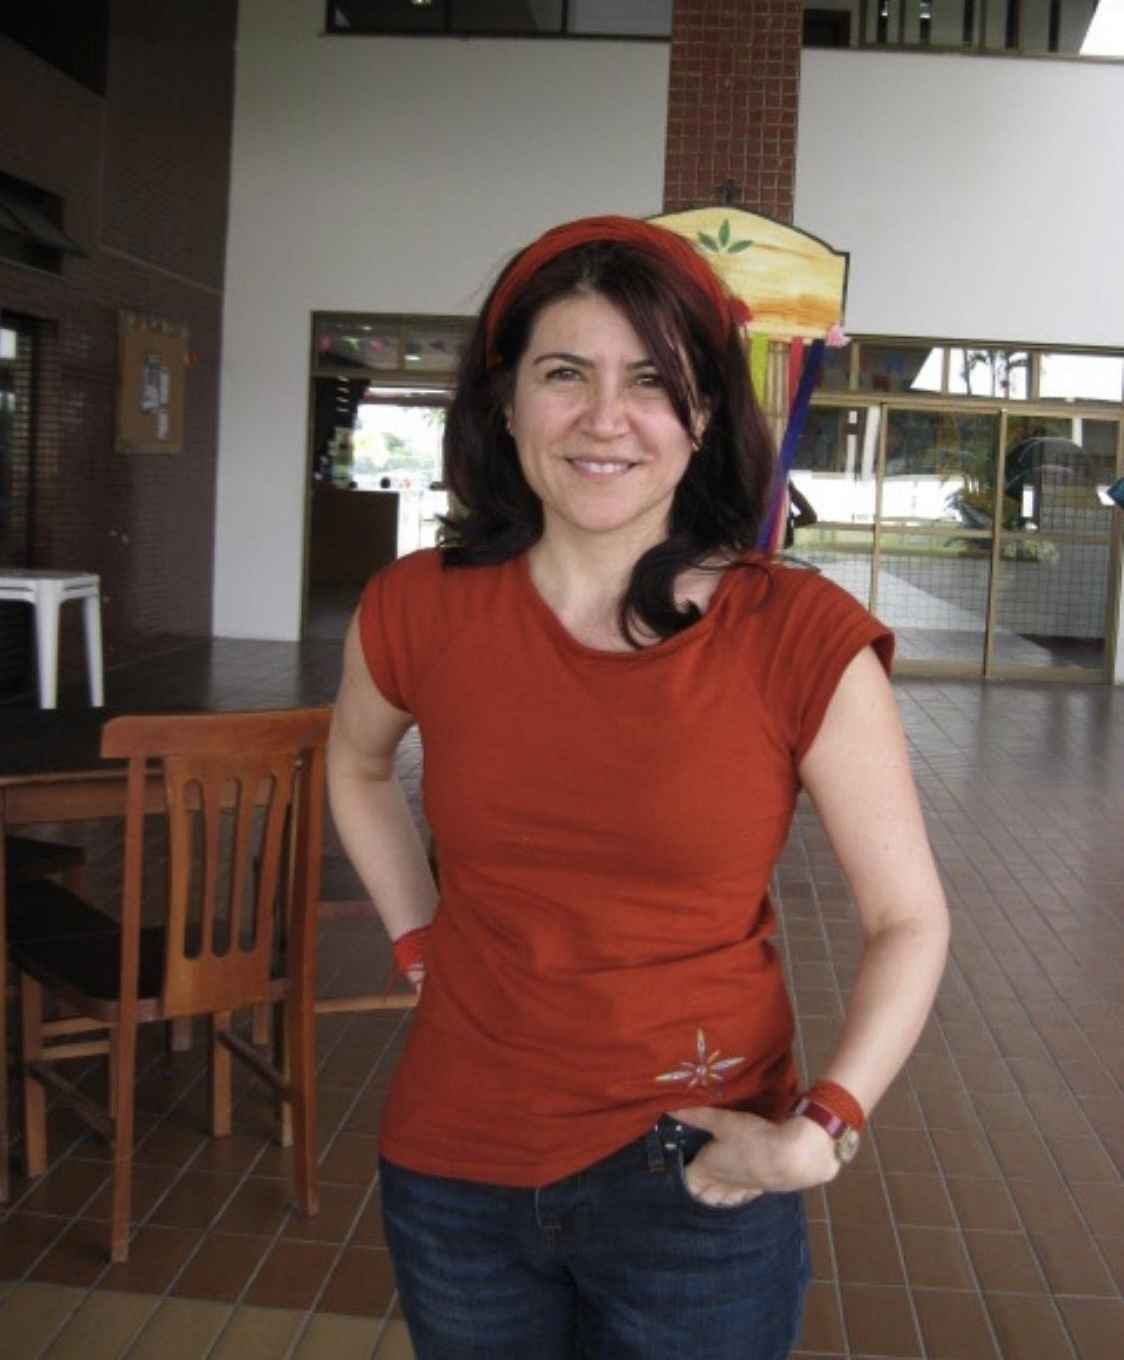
{"x": 606, "y": 415}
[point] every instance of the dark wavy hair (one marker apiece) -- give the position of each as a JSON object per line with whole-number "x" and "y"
{"x": 719, "y": 504}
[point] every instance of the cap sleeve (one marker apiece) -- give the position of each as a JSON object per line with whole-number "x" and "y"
{"x": 818, "y": 630}
{"x": 395, "y": 617}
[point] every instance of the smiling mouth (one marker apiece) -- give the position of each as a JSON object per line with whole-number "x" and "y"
{"x": 600, "y": 467}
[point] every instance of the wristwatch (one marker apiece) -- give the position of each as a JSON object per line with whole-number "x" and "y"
{"x": 845, "y": 1138}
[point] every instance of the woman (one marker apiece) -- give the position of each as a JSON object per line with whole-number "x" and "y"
{"x": 594, "y": 1141}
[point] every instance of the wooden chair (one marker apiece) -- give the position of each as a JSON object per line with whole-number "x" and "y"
{"x": 244, "y": 810}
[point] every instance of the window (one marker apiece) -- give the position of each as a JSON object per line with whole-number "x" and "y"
{"x": 503, "y": 18}
{"x": 1014, "y": 27}
{"x": 31, "y": 226}
{"x": 72, "y": 38}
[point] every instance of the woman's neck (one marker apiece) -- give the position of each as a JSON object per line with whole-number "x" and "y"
{"x": 583, "y": 582}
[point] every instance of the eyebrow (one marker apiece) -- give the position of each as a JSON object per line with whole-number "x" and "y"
{"x": 581, "y": 362}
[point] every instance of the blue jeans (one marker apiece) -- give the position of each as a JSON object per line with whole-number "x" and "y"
{"x": 617, "y": 1262}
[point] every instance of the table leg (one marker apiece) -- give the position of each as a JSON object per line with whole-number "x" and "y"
{"x": 47, "y": 599}
{"x": 5, "y": 1189}
{"x": 91, "y": 618}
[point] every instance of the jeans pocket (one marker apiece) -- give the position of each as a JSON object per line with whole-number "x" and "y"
{"x": 679, "y": 1176}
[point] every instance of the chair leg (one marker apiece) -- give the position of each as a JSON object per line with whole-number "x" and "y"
{"x": 300, "y": 1025}
{"x": 179, "y": 1034}
{"x": 124, "y": 1044}
{"x": 221, "y": 1079}
{"x": 261, "y": 1025}
{"x": 34, "y": 1097}
{"x": 281, "y": 1062}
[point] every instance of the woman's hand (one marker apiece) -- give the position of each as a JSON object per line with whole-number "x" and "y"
{"x": 749, "y": 1155}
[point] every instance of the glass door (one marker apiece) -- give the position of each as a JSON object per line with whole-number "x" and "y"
{"x": 936, "y": 535}
{"x": 1055, "y": 552}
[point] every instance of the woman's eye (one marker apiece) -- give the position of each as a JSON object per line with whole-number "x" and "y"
{"x": 652, "y": 379}
{"x": 563, "y": 374}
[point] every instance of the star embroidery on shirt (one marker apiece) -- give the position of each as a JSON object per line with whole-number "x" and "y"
{"x": 707, "y": 1069}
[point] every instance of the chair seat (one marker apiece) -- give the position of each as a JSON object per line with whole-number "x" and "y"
{"x": 62, "y": 941}
{"x": 26, "y": 858}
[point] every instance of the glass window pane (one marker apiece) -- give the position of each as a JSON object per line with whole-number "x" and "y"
{"x": 398, "y": 448}
{"x": 1054, "y": 471}
{"x": 387, "y": 16}
{"x": 1082, "y": 377}
{"x": 432, "y": 349}
{"x": 940, "y": 469}
{"x": 835, "y": 464}
{"x": 356, "y": 344}
{"x": 883, "y": 19}
{"x": 1050, "y": 606}
{"x": 836, "y": 373}
{"x": 507, "y": 16}
{"x": 989, "y": 373}
{"x": 634, "y": 18}
{"x": 900, "y": 368}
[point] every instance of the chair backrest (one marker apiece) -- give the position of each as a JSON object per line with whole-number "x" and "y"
{"x": 243, "y": 800}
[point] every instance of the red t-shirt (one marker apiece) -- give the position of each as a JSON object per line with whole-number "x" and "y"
{"x": 607, "y": 823}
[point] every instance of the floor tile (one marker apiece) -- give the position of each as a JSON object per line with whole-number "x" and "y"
{"x": 221, "y": 1268}
{"x": 822, "y": 1327}
{"x": 1005, "y": 1262}
{"x": 879, "y": 1321}
{"x": 330, "y": 1337}
{"x": 23, "y": 1239}
{"x": 394, "y": 1344}
{"x": 339, "y": 1206}
{"x": 33, "y": 1313}
{"x": 258, "y": 1334}
{"x": 867, "y": 1254}
{"x": 361, "y": 1283}
{"x": 1028, "y": 1327}
{"x": 983, "y": 1204}
{"x": 1073, "y": 1265}
{"x": 955, "y": 1326}
{"x": 1102, "y": 1205}
{"x": 1096, "y": 1325}
{"x": 102, "y": 1327}
{"x": 156, "y": 1256}
{"x": 181, "y": 1329}
{"x": 291, "y": 1274}
{"x": 935, "y": 1258}
{"x": 919, "y": 1199}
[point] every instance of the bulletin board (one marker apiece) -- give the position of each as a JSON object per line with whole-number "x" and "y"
{"x": 151, "y": 377}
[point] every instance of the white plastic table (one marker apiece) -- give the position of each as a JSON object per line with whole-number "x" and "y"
{"x": 47, "y": 592}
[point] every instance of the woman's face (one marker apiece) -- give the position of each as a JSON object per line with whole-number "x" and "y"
{"x": 599, "y": 441}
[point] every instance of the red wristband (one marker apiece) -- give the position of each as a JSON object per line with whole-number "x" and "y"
{"x": 839, "y": 1101}
{"x": 409, "y": 950}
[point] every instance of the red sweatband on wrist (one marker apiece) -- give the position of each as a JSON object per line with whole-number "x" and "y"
{"x": 409, "y": 950}
{"x": 839, "y": 1101}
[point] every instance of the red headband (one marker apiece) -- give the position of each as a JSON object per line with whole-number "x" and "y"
{"x": 665, "y": 245}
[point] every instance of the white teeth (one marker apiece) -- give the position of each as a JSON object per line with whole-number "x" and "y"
{"x": 600, "y": 469}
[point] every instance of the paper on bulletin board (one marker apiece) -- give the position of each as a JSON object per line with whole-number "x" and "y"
{"x": 151, "y": 376}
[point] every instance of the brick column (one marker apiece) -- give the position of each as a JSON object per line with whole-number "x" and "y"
{"x": 732, "y": 105}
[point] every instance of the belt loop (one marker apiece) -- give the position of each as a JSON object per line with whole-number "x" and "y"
{"x": 664, "y": 1143}
{"x": 655, "y": 1148}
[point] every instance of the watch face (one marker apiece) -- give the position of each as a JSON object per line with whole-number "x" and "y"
{"x": 847, "y": 1145}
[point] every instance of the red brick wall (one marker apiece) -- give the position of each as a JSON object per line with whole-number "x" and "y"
{"x": 144, "y": 174}
{"x": 732, "y": 104}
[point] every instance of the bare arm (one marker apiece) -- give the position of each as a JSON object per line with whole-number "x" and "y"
{"x": 368, "y": 805}
{"x": 857, "y": 773}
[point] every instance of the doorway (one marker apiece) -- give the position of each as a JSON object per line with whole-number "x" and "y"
{"x": 983, "y": 537}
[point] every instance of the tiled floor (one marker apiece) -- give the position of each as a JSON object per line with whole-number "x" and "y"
{"x": 984, "y": 1217}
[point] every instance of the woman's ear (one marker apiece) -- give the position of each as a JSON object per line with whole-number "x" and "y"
{"x": 700, "y": 419}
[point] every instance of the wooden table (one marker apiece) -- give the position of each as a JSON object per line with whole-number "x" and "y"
{"x": 50, "y": 771}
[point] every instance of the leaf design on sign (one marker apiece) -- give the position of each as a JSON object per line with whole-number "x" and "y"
{"x": 708, "y": 241}
{"x": 724, "y": 232}
{"x": 738, "y": 247}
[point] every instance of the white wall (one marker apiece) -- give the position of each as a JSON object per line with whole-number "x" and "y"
{"x": 978, "y": 198}
{"x": 383, "y": 175}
